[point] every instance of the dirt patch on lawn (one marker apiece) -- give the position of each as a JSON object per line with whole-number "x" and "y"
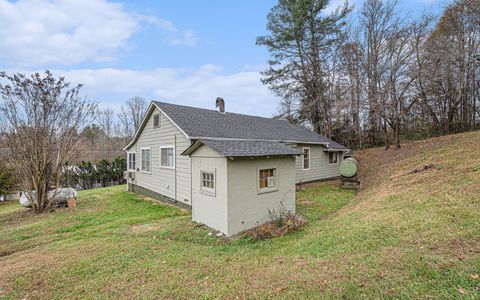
{"x": 459, "y": 248}
{"x": 34, "y": 265}
{"x": 139, "y": 229}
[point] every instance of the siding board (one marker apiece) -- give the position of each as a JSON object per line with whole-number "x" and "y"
{"x": 319, "y": 166}
{"x": 173, "y": 183}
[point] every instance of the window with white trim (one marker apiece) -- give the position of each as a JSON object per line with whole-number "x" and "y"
{"x": 146, "y": 160}
{"x": 156, "y": 120}
{"x": 207, "y": 181}
{"x": 131, "y": 161}
{"x": 167, "y": 157}
{"x": 333, "y": 157}
{"x": 267, "y": 179}
{"x": 306, "y": 158}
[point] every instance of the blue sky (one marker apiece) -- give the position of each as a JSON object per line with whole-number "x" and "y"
{"x": 186, "y": 52}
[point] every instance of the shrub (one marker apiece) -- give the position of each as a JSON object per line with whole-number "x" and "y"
{"x": 8, "y": 179}
{"x": 119, "y": 165}
{"x": 283, "y": 222}
{"x": 86, "y": 175}
{"x": 279, "y": 217}
{"x": 104, "y": 172}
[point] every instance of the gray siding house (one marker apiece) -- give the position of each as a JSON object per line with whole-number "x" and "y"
{"x": 192, "y": 156}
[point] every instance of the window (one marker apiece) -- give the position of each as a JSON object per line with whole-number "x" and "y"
{"x": 207, "y": 181}
{"x": 167, "y": 157}
{"x": 131, "y": 161}
{"x": 146, "y": 160}
{"x": 267, "y": 179}
{"x": 156, "y": 120}
{"x": 306, "y": 158}
{"x": 333, "y": 157}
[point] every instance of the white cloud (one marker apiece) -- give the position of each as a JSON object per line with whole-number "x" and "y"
{"x": 35, "y": 33}
{"x": 242, "y": 91}
{"x": 177, "y": 36}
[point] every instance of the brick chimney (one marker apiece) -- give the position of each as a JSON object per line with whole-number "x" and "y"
{"x": 220, "y": 103}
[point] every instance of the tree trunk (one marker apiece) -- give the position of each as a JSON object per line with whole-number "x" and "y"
{"x": 397, "y": 134}
{"x": 385, "y": 135}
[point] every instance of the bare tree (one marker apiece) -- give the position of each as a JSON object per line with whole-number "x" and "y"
{"x": 41, "y": 116}
{"x": 130, "y": 117}
{"x": 352, "y": 58}
{"x": 124, "y": 127}
{"x": 377, "y": 18}
{"x": 399, "y": 79}
{"x": 136, "y": 108}
{"x": 105, "y": 119}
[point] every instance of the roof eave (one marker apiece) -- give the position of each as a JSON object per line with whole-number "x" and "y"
{"x": 192, "y": 148}
{"x": 264, "y": 155}
{"x": 257, "y": 140}
{"x": 336, "y": 150}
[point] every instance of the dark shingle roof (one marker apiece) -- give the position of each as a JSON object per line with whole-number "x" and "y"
{"x": 199, "y": 122}
{"x": 242, "y": 148}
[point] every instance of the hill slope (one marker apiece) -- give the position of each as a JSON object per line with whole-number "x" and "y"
{"x": 408, "y": 234}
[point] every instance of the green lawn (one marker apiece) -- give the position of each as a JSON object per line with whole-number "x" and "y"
{"x": 408, "y": 236}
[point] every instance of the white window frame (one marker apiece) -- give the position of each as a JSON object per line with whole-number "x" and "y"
{"x": 160, "y": 160}
{"x": 338, "y": 159}
{"x": 141, "y": 162}
{"x": 206, "y": 190}
{"x": 309, "y": 158}
{"x": 128, "y": 161}
{"x": 267, "y": 189}
{"x": 159, "y": 120}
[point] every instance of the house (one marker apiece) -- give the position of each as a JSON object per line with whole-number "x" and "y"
{"x": 229, "y": 168}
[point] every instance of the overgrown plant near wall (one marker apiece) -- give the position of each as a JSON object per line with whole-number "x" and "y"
{"x": 282, "y": 222}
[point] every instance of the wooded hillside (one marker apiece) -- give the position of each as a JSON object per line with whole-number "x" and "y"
{"x": 378, "y": 76}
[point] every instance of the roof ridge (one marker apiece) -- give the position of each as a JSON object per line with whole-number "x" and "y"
{"x": 214, "y": 110}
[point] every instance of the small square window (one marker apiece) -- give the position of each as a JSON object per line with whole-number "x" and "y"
{"x": 207, "y": 181}
{"x": 156, "y": 120}
{"x": 267, "y": 179}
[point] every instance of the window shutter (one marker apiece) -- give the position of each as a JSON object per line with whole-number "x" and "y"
{"x": 271, "y": 182}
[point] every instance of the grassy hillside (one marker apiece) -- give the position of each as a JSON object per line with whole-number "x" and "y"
{"x": 413, "y": 232}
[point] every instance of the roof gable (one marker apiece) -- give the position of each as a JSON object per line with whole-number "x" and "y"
{"x": 151, "y": 108}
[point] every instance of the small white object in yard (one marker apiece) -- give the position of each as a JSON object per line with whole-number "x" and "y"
{"x": 24, "y": 200}
{"x": 209, "y": 233}
{"x": 2, "y": 198}
{"x": 61, "y": 196}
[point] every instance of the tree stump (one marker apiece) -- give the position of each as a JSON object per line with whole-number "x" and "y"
{"x": 72, "y": 202}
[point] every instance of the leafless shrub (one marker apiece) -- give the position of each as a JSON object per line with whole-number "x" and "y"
{"x": 41, "y": 119}
{"x": 289, "y": 222}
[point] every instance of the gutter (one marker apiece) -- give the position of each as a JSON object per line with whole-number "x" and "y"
{"x": 258, "y": 140}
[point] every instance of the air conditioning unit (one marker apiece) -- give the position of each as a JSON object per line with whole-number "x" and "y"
{"x": 129, "y": 174}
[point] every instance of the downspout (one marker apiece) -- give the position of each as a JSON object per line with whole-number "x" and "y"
{"x": 191, "y": 187}
{"x": 175, "y": 163}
